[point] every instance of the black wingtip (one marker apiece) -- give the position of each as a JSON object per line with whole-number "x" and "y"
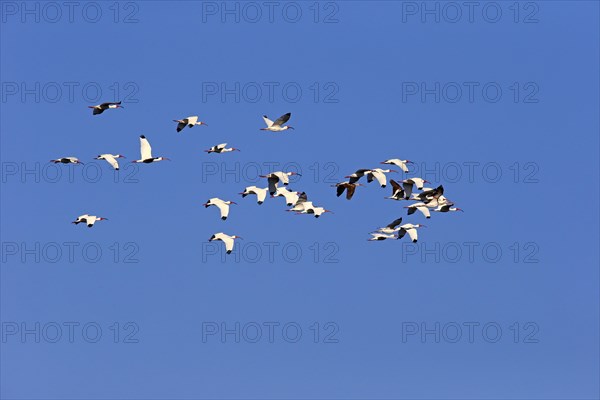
{"x": 142, "y": 137}
{"x": 228, "y": 251}
{"x": 223, "y": 218}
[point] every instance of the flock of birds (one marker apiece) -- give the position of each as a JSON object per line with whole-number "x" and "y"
{"x": 426, "y": 201}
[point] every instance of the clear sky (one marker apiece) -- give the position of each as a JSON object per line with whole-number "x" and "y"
{"x": 496, "y": 101}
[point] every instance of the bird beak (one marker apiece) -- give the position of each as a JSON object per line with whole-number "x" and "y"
{"x": 236, "y": 149}
{"x": 233, "y": 202}
{"x": 239, "y": 237}
{"x": 393, "y": 170}
{"x": 122, "y": 156}
{"x": 79, "y": 162}
{"x": 460, "y": 209}
{"x": 203, "y": 123}
{"x": 409, "y": 162}
{"x": 120, "y": 106}
{"x": 205, "y": 204}
{"x": 426, "y": 181}
{"x": 165, "y": 158}
{"x": 291, "y": 127}
{"x": 90, "y": 106}
{"x": 348, "y": 176}
{"x": 422, "y": 226}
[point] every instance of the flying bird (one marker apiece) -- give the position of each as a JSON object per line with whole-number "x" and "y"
{"x": 348, "y": 187}
{"x": 381, "y": 236}
{"x": 189, "y": 122}
{"x": 357, "y": 175}
{"x": 379, "y": 174}
{"x": 89, "y": 220}
{"x": 411, "y": 230}
{"x": 67, "y": 160}
{"x": 279, "y": 176}
{"x": 290, "y": 197}
{"x": 111, "y": 159}
{"x": 301, "y": 203}
{"x": 421, "y": 207}
{"x": 391, "y": 227}
{"x": 260, "y": 193}
{"x": 100, "y": 108}
{"x": 221, "y": 148}
{"x": 228, "y": 240}
{"x": 429, "y": 194}
{"x": 316, "y": 211}
{"x": 397, "y": 191}
{"x": 399, "y": 163}
{"x": 447, "y": 208}
{"x": 277, "y": 126}
{"x": 407, "y": 184}
{"x": 222, "y": 205}
{"x": 146, "y": 153}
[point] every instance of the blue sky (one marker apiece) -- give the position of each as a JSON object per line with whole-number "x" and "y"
{"x": 157, "y": 273}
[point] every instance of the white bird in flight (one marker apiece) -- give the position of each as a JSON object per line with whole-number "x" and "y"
{"x": 100, "y": 108}
{"x": 421, "y": 207}
{"x": 379, "y": 174}
{"x": 221, "y": 148}
{"x": 407, "y": 184}
{"x": 189, "y": 122}
{"x": 277, "y": 126}
{"x": 88, "y": 219}
{"x": 279, "y": 176}
{"x": 290, "y": 197}
{"x": 411, "y": 230}
{"x": 67, "y": 160}
{"x": 228, "y": 240}
{"x": 146, "y": 153}
{"x": 447, "y": 208}
{"x": 261, "y": 193}
{"x": 111, "y": 159}
{"x": 399, "y": 163}
{"x": 381, "y": 236}
{"x": 397, "y": 191}
{"x": 316, "y": 211}
{"x": 222, "y": 205}
{"x": 391, "y": 227}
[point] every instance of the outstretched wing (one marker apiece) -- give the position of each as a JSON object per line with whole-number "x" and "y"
{"x": 413, "y": 235}
{"x": 112, "y": 161}
{"x": 273, "y": 184}
{"x": 282, "y": 120}
{"x": 350, "y": 191}
{"x": 424, "y": 211}
{"x": 380, "y": 176}
{"x": 224, "y": 208}
{"x": 407, "y": 189}
{"x": 268, "y": 121}
{"x": 145, "y": 149}
{"x": 394, "y": 223}
{"x": 340, "y": 190}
